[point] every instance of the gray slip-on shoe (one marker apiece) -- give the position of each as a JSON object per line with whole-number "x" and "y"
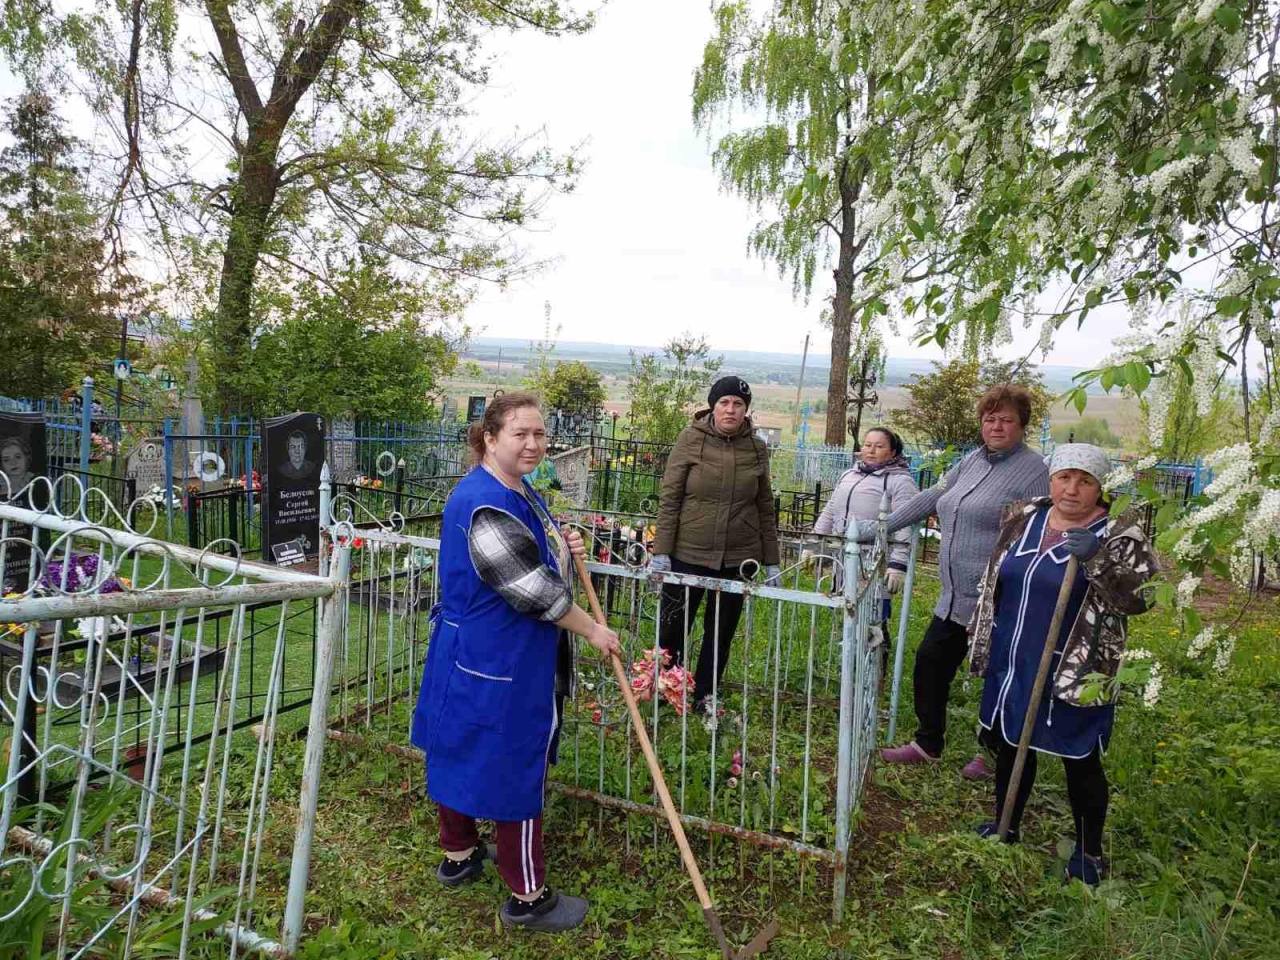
{"x": 557, "y": 913}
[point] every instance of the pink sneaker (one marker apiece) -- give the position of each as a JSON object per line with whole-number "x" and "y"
{"x": 977, "y": 769}
{"x": 907, "y": 753}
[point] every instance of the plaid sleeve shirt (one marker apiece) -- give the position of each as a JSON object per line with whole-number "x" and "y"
{"x": 507, "y": 558}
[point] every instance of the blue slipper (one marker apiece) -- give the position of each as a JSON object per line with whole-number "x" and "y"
{"x": 1086, "y": 868}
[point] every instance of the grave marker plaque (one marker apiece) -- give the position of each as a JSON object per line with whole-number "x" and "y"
{"x": 293, "y": 450}
{"x": 343, "y": 466}
{"x": 146, "y": 465}
{"x": 23, "y": 457}
{"x": 475, "y": 408}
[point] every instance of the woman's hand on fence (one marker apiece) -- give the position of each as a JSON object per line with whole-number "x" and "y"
{"x": 772, "y": 574}
{"x": 893, "y": 580}
{"x": 660, "y": 563}
{"x": 604, "y": 640}
{"x": 573, "y": 540}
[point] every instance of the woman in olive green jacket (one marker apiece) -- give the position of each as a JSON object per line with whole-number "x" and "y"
{"x": 716, "y": 511}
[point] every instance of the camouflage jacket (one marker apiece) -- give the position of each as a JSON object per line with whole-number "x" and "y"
{"x": 1096, "y": 642}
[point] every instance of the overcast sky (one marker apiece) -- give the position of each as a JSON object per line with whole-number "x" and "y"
{"x": 649, "y": 245}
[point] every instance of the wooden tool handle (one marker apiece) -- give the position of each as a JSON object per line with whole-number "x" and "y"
{"x": 637, "y": 721}
{"x": 1037, "y": 691}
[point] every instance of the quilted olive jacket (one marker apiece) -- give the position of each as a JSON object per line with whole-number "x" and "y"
{"x": 1116, "y": 574}
{"x": 716, "y": 508}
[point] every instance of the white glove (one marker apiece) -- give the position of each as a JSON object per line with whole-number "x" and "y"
{"x": 660, "y": 563}
{"x": 893, "y": 580}
{"x": 772, "y": 573}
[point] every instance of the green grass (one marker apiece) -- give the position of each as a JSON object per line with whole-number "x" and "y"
{"x": 1195, "y": 782}
{"x": 1191, "y": 838}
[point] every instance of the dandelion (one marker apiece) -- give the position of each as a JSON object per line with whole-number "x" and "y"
{"x": 731, "y": 783}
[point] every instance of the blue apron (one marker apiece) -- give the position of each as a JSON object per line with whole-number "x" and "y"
{"x": 486, "y": 716}
{"x": 1029, "y": 581}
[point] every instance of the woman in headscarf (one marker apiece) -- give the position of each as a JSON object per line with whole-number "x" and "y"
{"x": 1010, "y": 628}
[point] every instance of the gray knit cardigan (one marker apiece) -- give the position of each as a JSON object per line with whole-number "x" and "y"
{"x": 968, "y": 501}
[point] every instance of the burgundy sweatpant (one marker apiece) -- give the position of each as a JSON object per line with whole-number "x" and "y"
{"x": 520, "y": 861}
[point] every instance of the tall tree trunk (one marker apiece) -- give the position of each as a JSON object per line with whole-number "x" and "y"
{"x": 841, "y": 320}
{"x": 252, "y": 200}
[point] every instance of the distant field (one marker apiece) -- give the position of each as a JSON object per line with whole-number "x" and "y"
{"x": 775, "y": 404}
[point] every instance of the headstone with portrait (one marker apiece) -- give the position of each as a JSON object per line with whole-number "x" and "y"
{"x": 23, "y": 458}
{"x": 475, "y": 408}
{"x": 293, "y": 450}
{"x": 145, "y": 465}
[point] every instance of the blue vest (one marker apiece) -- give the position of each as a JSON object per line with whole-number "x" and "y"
{"x": 486, "y": 711}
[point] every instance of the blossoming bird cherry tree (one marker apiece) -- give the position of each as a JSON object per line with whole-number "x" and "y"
{"x": 1038, "y": 162}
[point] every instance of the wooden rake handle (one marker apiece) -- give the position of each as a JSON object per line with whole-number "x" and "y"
{"x": 1037, "y": 691}
{"x": 668, "y": 807}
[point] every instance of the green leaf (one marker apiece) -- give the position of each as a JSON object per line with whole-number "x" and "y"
{"x": 1191, "y": 619}
{"x": 1230, "y": 306}
{"x": 1079, "y": 398}
{"x": 1228, "y": 18}
{"x": 1138, "y": 374}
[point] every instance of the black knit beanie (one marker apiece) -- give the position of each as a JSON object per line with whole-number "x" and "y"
{"x": 729, "y": 387}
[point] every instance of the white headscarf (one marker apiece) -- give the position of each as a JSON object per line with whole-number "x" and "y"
{"x": 1080, "y": 456}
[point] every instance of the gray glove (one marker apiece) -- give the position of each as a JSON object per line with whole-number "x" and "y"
{"x": 660, "y": 563}
{"x": 772, "y": 573}
{"x": 1081, "y": 543}
{"x": 893, "y": 580}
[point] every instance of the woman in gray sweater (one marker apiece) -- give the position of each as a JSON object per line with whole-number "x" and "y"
{"x": 968, "y": 501}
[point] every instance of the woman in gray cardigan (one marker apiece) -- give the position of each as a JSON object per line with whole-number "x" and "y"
{"x": 881, "y": 469}
{"x": 968, "y": 501}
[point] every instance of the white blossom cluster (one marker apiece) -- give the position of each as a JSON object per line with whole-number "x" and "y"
{"x": 1187, "y": 587}
{"x": 1155, "y": 681}
{"x": 1201, "y": 642}
{"x": 1121, "y": 476}
{"x": 1222, "y": 659}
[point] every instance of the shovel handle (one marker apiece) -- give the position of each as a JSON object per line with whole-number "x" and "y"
{"x": 1037, "y": 691}
{"x": 637, "y": 721}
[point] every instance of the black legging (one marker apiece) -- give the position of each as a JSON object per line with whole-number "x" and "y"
{"x": 1086, "y": 789}
{"x": 723, "y": 607}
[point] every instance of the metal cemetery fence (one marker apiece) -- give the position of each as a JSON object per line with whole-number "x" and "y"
{"x": 131, "y": 811}
{"x": 780, "y": 761}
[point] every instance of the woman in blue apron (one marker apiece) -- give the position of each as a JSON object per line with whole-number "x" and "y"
{"x": 499, "y": 665}
{"x": 1011, "y": 623}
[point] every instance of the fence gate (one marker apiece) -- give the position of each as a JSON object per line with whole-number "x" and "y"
{"x": 132, "y": 814}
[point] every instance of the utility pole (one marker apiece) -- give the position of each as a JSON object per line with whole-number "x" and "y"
{"x": 804, "y": 358}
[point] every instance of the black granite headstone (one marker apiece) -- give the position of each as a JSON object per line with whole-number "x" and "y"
{"x": 22, "y": 459}
{"x": 293, "y": 450}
